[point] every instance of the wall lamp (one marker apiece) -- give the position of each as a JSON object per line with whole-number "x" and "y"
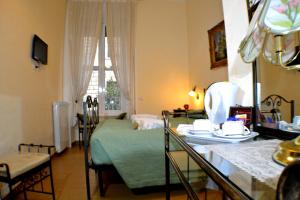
{"x": 194, "y": 93}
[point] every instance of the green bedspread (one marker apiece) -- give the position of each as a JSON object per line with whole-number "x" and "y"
{"x": 138, "y": 155}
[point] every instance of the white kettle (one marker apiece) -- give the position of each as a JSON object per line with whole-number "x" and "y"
{"x": 218, "y": 99}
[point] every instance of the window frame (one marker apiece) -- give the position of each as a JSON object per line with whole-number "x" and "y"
{"x": 101, "y": 97}
{"x": 101, "y": 94}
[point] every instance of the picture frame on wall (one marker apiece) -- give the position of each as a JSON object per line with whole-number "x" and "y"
{"x": 217, "y": 46}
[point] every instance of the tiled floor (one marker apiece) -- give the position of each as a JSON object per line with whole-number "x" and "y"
{"x": 69, "y": 181}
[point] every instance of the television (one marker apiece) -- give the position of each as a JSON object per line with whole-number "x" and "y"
{"x": 39, "y": 50}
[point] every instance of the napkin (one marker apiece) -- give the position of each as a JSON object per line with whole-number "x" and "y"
{"x": 202, "y": 125}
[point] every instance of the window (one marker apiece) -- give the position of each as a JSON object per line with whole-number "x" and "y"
{"x": 109, "y": 94}
{"x": 93, "y": 85}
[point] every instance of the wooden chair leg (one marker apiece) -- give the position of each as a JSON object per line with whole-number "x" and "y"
{"x": 101, "y": 183}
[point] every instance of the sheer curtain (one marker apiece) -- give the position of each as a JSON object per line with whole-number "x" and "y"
{"x": 83, "y": 28}
{"x": 120, "y": 33}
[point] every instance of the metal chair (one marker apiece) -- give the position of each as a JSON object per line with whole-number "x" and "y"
{"x": 90, "y": 122}
{"x": 89, "y": 164}
{"x": 80, "y": 123}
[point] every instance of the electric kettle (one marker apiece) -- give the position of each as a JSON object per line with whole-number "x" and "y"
{"x": 218, "y": 99}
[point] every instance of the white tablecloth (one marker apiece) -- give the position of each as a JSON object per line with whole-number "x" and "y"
{"x": 253, "y": 157}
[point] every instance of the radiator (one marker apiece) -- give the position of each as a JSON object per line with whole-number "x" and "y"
{"x": 61, "y": 126}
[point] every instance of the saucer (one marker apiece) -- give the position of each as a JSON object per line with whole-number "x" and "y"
{"x": 213, "y": 137}
{"x": 194, "y": 131}
{"x": 297, "y": 128}
{"x": 240, "y": 136}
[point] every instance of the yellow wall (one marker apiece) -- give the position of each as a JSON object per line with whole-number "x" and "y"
{"x": 202, "y": 16}
{"x": 172, "y": 55}
{"x": 162, "y": 80}
{"x": 26, "y": 93}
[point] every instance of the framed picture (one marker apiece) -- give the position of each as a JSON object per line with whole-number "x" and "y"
{"x": 217, "y": 46}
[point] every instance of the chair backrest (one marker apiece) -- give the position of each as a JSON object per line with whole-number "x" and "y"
{"x": 80, "y": 119}
{"x": 95, "y": 111}
{"x": 273, "y": 105}
{"x": 90, "y": 112}
{"x": 89, "y": 103}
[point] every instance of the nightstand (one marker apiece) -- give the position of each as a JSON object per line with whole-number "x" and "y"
{"x": 194, "y": 114}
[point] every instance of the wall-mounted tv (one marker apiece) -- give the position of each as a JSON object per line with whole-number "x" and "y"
{"x": 39, "y": 50}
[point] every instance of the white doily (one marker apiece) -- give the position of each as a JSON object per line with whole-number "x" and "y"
{"x": 254, "y": 157}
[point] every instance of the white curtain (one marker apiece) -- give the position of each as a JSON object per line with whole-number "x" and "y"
{"x": 120, "y": 33}
{"x": 83, "y": 28}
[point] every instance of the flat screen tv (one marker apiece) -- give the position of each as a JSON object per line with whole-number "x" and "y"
{"x": 39, "y": 50}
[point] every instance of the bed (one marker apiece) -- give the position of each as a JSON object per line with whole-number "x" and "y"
{"x": 137, "y": 155}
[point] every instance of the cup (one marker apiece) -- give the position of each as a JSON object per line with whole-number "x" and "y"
{"x": 296, "y": 122}
{"x": 234, "y": 128}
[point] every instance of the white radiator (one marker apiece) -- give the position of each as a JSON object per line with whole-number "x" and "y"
{"x": 61, "y": 126}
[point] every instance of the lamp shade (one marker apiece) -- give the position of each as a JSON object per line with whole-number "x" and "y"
{"x": 274, "y": 33}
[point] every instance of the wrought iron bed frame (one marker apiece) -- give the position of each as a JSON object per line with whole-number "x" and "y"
{"x": 274, "y": 101}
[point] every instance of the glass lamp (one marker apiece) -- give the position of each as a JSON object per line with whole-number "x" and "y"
{"x": 274, "y": 33}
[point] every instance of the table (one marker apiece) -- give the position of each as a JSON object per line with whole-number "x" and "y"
{"x": 235, "y": 182}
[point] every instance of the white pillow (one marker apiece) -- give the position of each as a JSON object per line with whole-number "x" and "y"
{"x": 149, "y": 123}
{"x": 134, "y": 117}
